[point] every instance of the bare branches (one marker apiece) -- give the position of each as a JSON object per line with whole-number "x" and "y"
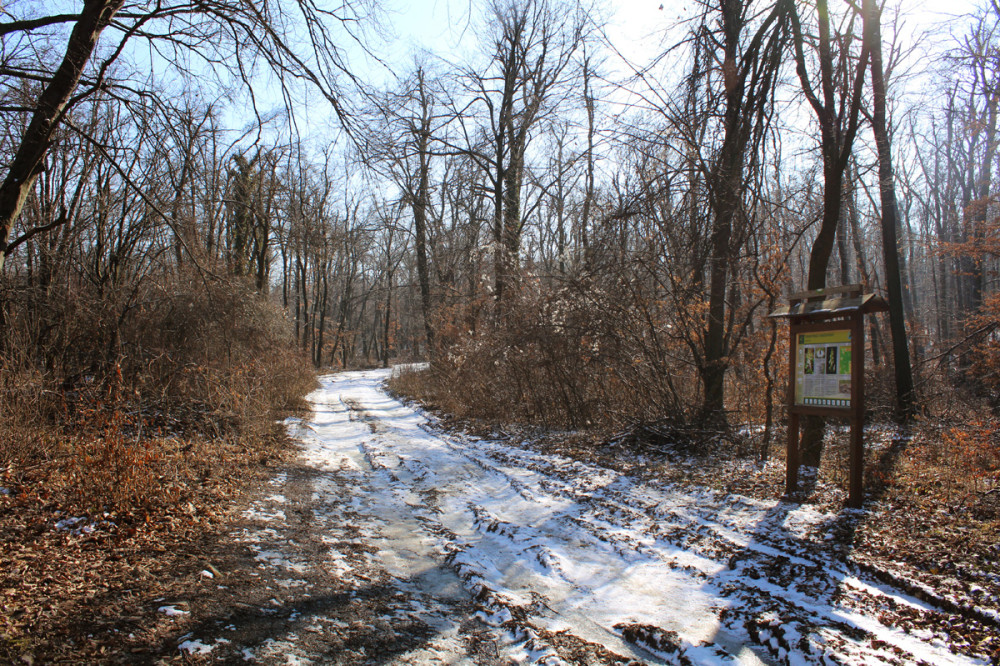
{"x": 52, "y": 102}
{"x": 28, "y": 25}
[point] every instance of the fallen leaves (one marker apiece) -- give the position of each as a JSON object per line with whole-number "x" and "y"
{"x": 84, "y": 591}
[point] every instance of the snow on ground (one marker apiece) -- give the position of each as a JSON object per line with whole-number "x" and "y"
{"x": 547, "y": 547}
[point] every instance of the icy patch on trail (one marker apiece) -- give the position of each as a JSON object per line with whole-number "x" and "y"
{"x": 258, "y": 513}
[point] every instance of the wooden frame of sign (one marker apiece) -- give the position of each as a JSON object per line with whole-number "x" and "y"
{"x": 826, "y": 370}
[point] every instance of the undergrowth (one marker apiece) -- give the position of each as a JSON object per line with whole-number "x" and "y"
{"x": 89, "y": 427}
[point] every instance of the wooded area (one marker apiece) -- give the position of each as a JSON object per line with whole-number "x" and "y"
{"x": 572, "y": 239}
{"x": 205, "y": 204}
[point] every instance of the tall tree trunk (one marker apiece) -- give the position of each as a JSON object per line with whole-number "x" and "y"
{"x": 588, "y": 195}
{"x": 726, "y": 180}
{"x": 499, "y": 247}
{"x": 302, "y": 284}
{"x": 511, "y": 240}
{"x": 838, "y": 123}
{"x": 862, "y": 266}
{"x": 324, "y": 298}
{"x": 843, "y": 255}
{"x": 887, "y": 191}
{"x": 388, "y": 321}
{"x": 749, "y": 71}
{"x": 420, "y": 205}
{"x": 713, "y": 371}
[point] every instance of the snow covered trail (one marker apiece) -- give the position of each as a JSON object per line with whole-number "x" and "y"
{"x": 561, "y": 561}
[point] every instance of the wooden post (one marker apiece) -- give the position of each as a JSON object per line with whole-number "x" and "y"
{"x": 792, "y": 452}
{"x": 792, "y": 456}
{"x": 856, "y": 494}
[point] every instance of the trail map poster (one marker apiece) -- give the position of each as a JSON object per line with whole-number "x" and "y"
{"x": 823, "y": 369}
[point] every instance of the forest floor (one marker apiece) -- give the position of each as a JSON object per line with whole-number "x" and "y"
{"x": 387, "y": 536}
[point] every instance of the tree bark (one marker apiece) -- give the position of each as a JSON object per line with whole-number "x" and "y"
{"x": 749, "y": 73}
{"x": 890, "y": 212}
{"x": 588, "y": 195}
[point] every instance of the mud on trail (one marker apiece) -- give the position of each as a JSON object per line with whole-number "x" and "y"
{"x": 391, "y": 542}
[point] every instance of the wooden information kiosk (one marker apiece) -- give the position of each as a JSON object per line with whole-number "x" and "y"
{"x": 826, "y": 369}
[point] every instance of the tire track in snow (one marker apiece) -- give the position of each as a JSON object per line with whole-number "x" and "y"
{"x": 513, "y": 610}
{"x": 525, "y": 567}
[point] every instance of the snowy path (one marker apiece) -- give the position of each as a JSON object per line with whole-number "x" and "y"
{"x": 558, "y": 561}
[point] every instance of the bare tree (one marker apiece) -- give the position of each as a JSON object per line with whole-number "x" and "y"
{"x": 531, "y": 52}
{"x": 837, "y": 106}
{"x": 178, "y": 32}
{"x": 51, "y": 106}
{"x": 890, "y": 215}
{"x": 401, "y": 146}
{"x": 749, "y": 67}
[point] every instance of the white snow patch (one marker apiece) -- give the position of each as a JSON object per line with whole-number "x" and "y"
{"x": 173, "y": 611}
{"x": 195, "y": 647}
{"x": 264, "y": 515}
{"x": 69, "y": 523}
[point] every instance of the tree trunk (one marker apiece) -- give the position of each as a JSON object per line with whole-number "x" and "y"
{"x": 499, "y": 260}
{"x": 324, "y": 298}
{"x": 420, "y": 229}
{"x": 748, "y": 73}
{"x": 726, "y": 181}
{"x": 588, "y": 195}
{"x": 838, "y": 123}
{"x": 887, "y": 191}
{"x": 387, "y": 324}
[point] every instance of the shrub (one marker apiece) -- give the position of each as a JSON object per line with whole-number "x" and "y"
{"x": 562, "y": 358}
{"x": 216, "y": 355}
{"x": 89, "y": 411}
